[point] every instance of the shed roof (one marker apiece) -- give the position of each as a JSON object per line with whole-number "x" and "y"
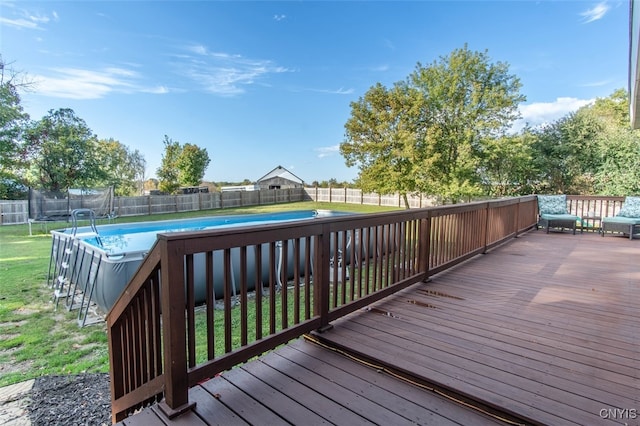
{"x": 283, "y": 173}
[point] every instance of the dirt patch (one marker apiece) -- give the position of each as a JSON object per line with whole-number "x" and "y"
{"x": 76, "y": 400}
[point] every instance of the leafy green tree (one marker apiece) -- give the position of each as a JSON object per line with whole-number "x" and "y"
{"x": 619, "y": 146}
{"x": 123, "y": 167}
{"x": 619, "y": 173}
{"x": 192, "y": 163}
{"x": 589, "y": 151}
{"x": 61, "y": 153}
{"x": 427, "y": 134}
{"x": 168, "y": 171}
{"x": 382, "y": 141}
{"x": 181, "y": 165}
{"x": 566, "y": 153}
{"x": 508, "y": 168}
{"x": 13, "y": 120}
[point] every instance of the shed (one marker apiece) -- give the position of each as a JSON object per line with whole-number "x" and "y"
{"x": 279, "y": 178}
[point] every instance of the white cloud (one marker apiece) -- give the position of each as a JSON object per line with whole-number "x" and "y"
{"x": 14, "y": 16}
{"x": 327, "y": 151}
{"x": 75, "y": 83}
{"x": 340, "y": 91}
{"x": 595, "y": 13}
{"x": 279, "y": 17}
{"x": 540, "y": 113}
{"x": 158, "y": 90}
{"x": 222, "y": 73}
{"x": 381, "y": 68}
{"x": 20, "y": 23}
{"x": 598, "y": 83}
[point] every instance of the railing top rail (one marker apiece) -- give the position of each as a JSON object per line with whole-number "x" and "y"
{"x": 595, "y": 197}
{"x": 255, "y": 234}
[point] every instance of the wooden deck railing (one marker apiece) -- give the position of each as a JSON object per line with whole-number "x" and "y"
{"x": 162, "y": 341}
{"x": 592, "y": 208}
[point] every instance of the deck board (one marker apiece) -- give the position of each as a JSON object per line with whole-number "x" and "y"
{"x": 550, "y": 333}
{"x": 543, "y": 329}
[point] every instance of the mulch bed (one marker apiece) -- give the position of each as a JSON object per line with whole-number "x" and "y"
{"x": 70, "y": 400}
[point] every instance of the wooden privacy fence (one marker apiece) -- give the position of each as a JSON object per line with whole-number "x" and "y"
{"x": 14, "y": 212}
{"x": 17, "y": 212}
{"x": 590, "y": 208}
{"x": 266, "y": 285}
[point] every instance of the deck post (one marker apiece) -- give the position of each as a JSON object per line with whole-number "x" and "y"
{"x": 424, "y": 244}
{"x": 174, "y": 329}
{"x": 517, "y": 224}
{"x": 485, "y": 228}
{"x": 321, "y": 297}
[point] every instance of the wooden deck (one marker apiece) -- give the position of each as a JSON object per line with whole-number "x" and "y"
{"x": 542, "y": 330}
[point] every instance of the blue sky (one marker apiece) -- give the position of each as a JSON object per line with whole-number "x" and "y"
{"x": 268, "y": 83}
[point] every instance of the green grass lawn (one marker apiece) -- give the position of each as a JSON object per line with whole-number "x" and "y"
{"x": 36, "y": 339}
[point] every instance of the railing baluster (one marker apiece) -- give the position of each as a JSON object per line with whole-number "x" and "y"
{"x": 307, "y": 278}
{"x": 244, "y": 300}
{"x": 258, "y": 286}
{"x": 210, "y": 306}
{"x": 228, "y": 295}
{"x": 191, "y": 305}
{"x": 284, "y": 273}
{"x": 296, "y": 280}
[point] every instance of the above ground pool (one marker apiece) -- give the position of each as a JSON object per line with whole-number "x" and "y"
{"x": 100, "y": 260}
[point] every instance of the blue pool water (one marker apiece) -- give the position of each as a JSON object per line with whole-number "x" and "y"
{"x": 115, "y": 255}
{"x": 139, "y": 237}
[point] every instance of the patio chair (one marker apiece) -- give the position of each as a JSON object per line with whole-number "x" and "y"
{"x": 553, "y": 213}
{"x": 627, "y": 221}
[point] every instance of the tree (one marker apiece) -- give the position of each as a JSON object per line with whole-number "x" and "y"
{"x": 508, "y": 168}
{"x": 589, "y": 151}
{"x": 566, "y": 154}
{"x": 381, "y": 141}
{"x": 181, "y": 165}
{"x": 619, "y": 145}
{"x": 192, "y": 163}
{"x": 619, "y": 173}
{"x": 61, "y": 151}
{"x": 427, "y": 134}
{"x": 13, "y": 120}
{"x": 168, "y": 170}
{"x": 124, "y": 168}
{"x": 150, "y": 184}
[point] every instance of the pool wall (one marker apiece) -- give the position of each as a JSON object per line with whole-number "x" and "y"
{"x": 100, "y": 273}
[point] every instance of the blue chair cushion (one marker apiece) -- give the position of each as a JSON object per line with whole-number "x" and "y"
{"x": 622, "y": 219}
{"x": 552, "y": 204}
{"x": 630, "y": 208}
{"x": 560, "y": 217}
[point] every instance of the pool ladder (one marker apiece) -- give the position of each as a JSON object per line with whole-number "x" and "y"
{"x": 70, "y": 265}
